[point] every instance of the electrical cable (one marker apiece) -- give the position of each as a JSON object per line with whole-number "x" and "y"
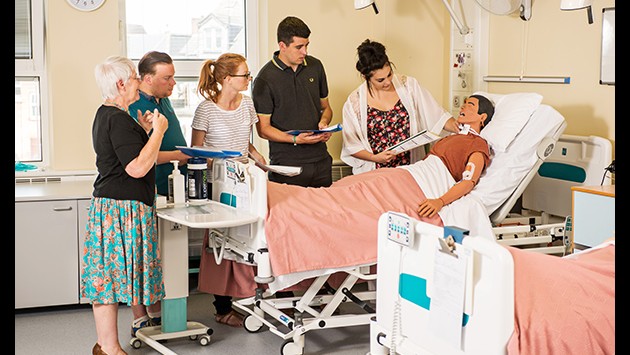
{"x": 609, "y": 169}
{"x": 396, "y": 315}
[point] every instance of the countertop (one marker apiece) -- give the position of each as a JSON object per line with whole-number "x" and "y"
{"x": 56, "y": 190}
{"x": 604, "y": 190}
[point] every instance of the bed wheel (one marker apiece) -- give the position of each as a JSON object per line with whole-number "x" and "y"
{"x": 204, "y": 340}
{"x": 135, "y": 343}
{"x": 252, "y": 324}
{"x": 289, "y": 348}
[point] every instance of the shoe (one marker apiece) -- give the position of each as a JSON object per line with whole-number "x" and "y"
{"x": 232, "y": 318}
{"x": 96, "y": 350}
{"x": 147, "y": 323}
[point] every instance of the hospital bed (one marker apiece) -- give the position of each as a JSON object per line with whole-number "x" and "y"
{"x": 538, "y": 167}
{"x": 480, "y": 297}
{"x": 277, "y": 237}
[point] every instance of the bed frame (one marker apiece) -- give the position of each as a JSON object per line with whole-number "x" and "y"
{"x": 410, "y": 322}
{"x": 245, "y": 186}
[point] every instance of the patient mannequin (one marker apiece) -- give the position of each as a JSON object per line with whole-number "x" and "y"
{"x": 466, "y": 154}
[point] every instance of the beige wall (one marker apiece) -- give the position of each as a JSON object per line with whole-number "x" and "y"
{"x": 557, "y": 43}
{"x": 416, "y": 34}
{"x": 76, "y": 41}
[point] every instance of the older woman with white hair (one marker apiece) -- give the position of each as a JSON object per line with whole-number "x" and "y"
{"x": 121, "y": 261}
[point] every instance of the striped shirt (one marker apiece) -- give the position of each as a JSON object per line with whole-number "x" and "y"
{"x": 226, "y": 130}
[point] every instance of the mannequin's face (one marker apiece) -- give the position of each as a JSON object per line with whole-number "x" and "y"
{"x": 468, "y": 113}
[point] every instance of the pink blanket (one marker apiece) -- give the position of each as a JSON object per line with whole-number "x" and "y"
{"x": 564, "y": 305}
{"x": 318, "y": 228}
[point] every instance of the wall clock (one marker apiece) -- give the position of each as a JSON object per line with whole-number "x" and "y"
{"x": 86, "y": 5}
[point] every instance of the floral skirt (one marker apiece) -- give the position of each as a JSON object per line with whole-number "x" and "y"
{"x": 121, "y": 259}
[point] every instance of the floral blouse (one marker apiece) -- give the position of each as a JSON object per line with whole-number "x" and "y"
{"x": 386, "y": 128}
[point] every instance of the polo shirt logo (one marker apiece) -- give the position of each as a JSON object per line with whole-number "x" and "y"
{"x": 311, "y": 79}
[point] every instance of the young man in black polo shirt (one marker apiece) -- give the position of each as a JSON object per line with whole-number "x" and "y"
{"x": 291, "y": 92}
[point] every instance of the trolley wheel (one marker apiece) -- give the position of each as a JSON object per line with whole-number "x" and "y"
{"x": 135, "y": 343}
{"x": 204, "y": 340}
{"x": 193, "y": 337}
{"x": 252, "y": 324}
{"x": 289, "y": 348}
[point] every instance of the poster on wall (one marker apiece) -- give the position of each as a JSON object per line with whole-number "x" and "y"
{"x": 607, "y": 71}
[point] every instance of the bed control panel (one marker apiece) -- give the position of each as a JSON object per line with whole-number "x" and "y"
{"x": 400, "y": 228}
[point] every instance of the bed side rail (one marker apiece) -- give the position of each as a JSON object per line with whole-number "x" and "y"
{"x": 544, "y": 150}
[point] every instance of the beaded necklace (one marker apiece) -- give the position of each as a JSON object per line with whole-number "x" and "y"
{"x": 112, "y": 103}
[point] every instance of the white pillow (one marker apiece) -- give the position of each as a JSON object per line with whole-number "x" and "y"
{"x": 511, "y": 112}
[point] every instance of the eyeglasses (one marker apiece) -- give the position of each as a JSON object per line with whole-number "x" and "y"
{"x": 246, "y": 75}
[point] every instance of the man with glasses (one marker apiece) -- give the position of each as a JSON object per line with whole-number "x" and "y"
{"x": 291, "y": 92}
{"x": 157, "y": 75}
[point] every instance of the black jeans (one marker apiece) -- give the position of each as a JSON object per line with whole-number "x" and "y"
{"x": 318, "y": 174}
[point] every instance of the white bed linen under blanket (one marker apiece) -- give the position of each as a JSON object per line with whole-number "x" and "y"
{"x": 467, "y": 212}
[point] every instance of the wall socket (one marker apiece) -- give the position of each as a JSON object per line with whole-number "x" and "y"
{"x": 456, "y": 101}
{"x": 462, "y": 80}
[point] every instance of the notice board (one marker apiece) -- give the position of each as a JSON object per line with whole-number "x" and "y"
{"x": 607, "y": 71}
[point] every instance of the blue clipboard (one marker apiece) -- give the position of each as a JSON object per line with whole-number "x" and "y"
{"x": 335, "y": 128}
{"x": 208, "y": 153}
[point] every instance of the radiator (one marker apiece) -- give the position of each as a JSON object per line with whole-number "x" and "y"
{"x": 340, "y": 170}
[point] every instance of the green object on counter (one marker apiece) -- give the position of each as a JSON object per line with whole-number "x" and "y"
{"x": 19, "y": 166}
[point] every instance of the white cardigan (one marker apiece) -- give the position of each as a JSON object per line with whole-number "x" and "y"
{"x": 424, "y": 113}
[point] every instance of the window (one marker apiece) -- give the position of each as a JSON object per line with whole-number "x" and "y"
{"x": 31, "y": 127}
{"x": 190, "y": 31}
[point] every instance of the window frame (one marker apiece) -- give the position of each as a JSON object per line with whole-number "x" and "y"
{"x": 35, "y": 67}
{"x": 189, "y": 69}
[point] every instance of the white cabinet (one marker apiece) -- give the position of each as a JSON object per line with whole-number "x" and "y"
{"x": 593, "y": 215}
{"x": 50, "y": 220}
{"x": 46, "y": 268}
